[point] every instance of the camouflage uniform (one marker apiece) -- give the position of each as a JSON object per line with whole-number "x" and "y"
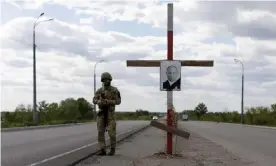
{"x": 107, "y": 97}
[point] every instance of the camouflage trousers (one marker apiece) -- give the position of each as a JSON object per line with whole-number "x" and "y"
{"x": 111, "y": 129}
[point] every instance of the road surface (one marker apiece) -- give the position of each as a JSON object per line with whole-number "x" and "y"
{"x": 22, "y": 148}
{"x": 251, "y": 143}
{"x": 125, "y": 154}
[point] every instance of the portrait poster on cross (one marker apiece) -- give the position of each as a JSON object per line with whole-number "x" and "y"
{"x": 170, "y": 75}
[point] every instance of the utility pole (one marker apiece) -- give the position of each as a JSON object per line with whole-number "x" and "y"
{"x": 35, "y": 114}
{"x": 242, "y": 91}
{"x": 95, "y": 112}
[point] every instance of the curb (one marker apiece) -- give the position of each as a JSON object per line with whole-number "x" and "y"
{"x": 41, "y": 127}
{"x": 71, "y": 159}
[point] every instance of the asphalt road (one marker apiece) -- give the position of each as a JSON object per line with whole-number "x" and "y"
{"x": 22, "y": 148}
{"x": 125, "y": 153}
{"x": 250, "y": 143}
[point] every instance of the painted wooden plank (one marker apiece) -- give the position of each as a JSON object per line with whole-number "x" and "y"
{"x": 175, "y": 131}
{"x": 156, "y": 63}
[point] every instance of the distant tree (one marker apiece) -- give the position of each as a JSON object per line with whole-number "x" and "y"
{"x": 29, "y": 108}
{"x": 69, "y": 109}
{"x": 20, "y": 108}
{"x": 200, "y": 110}
{"x": 43, "y": 106}
{"x": 273, "y": 107}
{"x": 83, "y": 106}
{"x": 141, "y": 112}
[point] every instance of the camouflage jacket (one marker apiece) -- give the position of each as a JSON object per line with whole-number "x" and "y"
{"x": 111, "y": 94}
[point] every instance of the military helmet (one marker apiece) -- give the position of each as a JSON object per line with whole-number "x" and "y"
{"x": 106, "y": 75}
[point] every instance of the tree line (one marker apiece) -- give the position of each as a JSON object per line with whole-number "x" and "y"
{"x": 79, "y": 110}
{"x": 259, "y": 115}
{"x": 69, "y": 110}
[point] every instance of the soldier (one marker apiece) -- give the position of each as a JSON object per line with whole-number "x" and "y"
{"x": 106, "y": 98}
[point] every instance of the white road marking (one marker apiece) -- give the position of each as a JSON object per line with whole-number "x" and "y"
{"x": 74, "y": 150}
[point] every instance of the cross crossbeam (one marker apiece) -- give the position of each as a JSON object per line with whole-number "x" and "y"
{"x": 181, "y": 133}
{"x": 156, "y": 63}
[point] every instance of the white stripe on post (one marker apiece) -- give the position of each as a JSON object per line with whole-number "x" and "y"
{"x": 170, "y": 17}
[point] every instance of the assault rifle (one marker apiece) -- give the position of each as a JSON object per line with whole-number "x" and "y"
{"x": 104, "y": 108}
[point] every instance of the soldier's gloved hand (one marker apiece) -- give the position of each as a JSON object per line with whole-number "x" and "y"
{"x": 100, "y": 103}
{"x": 106, "y": 102}
{"x": 110, "y": 102}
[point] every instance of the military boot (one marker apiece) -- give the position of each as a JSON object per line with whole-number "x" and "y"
{"x": 102, "y": 152}
{"x": 112, "y": 152}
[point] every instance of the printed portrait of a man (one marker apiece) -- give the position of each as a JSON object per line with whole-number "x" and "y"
{"x": 173, "y": 80}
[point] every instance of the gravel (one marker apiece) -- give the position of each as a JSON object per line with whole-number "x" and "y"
{"x": 197, "y": 151}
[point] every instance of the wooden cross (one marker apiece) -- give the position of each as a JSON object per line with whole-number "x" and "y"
{"x": 156, "y": 63}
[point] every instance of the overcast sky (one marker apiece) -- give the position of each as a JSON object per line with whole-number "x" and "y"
{"x": 85, "y": 32}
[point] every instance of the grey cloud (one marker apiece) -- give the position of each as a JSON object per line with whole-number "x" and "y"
{"x": 50, "y": 77}
{"x": 186, "y": 83}
{"x": 159, "y": 47}
{"x": 14, "y": 83}
{"x": 225, "y": 13}
{"x": 195, "y": 71}
{"x": 64, "y": 39}
{"x": 78, "y": 46}
{"x": 234, "y": 88}
{"x": 110, "y": 3}
{"x": 259, "y": 5}
{"x": 214, "y": 11}
{"x": 264, "y": 74}
{"x": 226, "y": 10}
{"x": 263, "y": 29}
{"x": 256, "y": 62}
{"x": 19, "y": 63}
{"x": 253, "y": 73}
{"x": 121, "y": 73}
{"x": 95, "y": 55}
{"x": 140, "y": 14}
{"x": 123, "y": 56}
{"x": 17, "y": 42}
{"x": 138, "y": 76}
{"x": 263, "y": 51}
{"x": 122, "y": 37}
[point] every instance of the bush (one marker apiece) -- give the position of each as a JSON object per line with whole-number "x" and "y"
{"x": 67, "y": 111}
{"x": 253, "y": 116}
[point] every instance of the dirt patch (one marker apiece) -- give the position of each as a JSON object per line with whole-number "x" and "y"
{"x": 197, "y": 151}
{"x": 164, "y": 155}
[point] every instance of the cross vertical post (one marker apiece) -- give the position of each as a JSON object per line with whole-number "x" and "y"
{"x": 169, "y": 57}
